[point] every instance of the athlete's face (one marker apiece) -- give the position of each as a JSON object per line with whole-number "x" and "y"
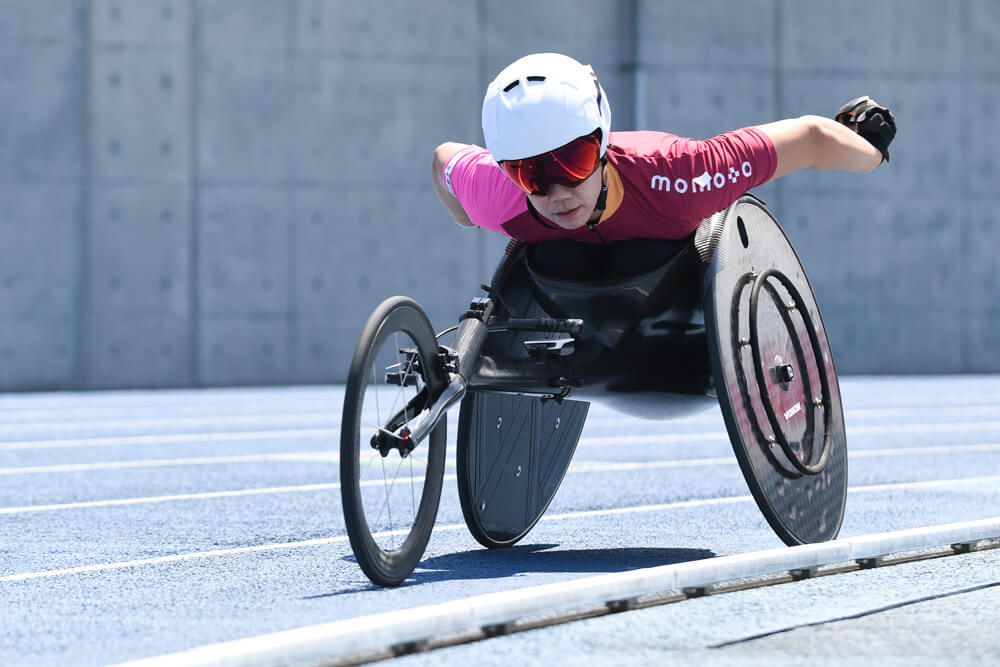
{"x": 570, "y": 207}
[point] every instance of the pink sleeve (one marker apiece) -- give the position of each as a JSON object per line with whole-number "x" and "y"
{"x": 483, "y": 190}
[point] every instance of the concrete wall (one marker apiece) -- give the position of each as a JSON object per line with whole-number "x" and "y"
{"x": 199, "y": 192}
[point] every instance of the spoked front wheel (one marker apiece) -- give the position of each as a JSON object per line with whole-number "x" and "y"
{"x": 389, "y": 485}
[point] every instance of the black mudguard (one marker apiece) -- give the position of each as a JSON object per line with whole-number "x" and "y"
{"x": 513, "y": 451}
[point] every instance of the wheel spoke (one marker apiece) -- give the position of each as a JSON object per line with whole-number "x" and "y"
{"x": 387, "y": 505}
{"x": 413, "y": 493}
{"x": 400, "y": 392}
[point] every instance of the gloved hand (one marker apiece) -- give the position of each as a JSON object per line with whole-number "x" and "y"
{"x": 871, "y": 120}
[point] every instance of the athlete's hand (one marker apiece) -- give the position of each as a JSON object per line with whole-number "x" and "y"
{"x": 871, "y": 120}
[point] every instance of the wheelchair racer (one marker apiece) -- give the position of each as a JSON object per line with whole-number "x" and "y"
{"x": 553, "y": 171}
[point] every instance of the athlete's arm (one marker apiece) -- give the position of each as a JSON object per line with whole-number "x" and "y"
{"x": 814, "y": 142}
{"x": 441, "y": 156}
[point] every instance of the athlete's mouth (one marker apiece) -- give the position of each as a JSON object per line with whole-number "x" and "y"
{"x": 568, "y": 213}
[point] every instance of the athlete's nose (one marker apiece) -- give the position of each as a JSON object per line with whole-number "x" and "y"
{"x": 557, "y": 192}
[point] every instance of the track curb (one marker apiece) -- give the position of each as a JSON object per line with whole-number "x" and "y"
{"x": 339, "y": 640}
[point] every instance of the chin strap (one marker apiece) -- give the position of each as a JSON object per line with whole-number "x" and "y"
{"x": 602, "y": 199}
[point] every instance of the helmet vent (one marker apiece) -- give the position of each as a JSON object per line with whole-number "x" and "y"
{"x": 513, "y": 84}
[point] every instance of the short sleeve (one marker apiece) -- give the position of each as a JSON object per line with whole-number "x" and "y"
{"x": 721, "y": 169}
{"x": 484, "y": 191}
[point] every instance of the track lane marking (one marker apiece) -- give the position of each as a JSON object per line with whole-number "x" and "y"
{"x": 171, "y": 438}
{"x": 614, "y": 511}
{"x": 577, "y": 468}
{"x": 311, "y": 433}
{"x": 702, "y": 436}
{"x": 334, "y": 457}
{"x": 204, "y": 495}
{"x": 36, "y": 421}
{"x": 296, "y": 457}
{"x": 308, "y": 457}
{"x": 175, "y": 558}
{"x": 105, "y": 424}
{"x": 331, "y": 419}
{"x": 207, "y": 495}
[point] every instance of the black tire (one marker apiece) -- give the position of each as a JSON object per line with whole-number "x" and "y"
{"x": 386, "y": 524}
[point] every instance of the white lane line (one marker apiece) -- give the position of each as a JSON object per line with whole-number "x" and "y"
{"x": 110, "y": 416}
{"x": 723, "y": 436}
{"x": 684, "y": 504}
{"x": 333, "y": 457}
{"x": 958, "y": 410}
{"x": 925, "y": 484}
{"x": 654, "y": 438}
{"x": 930, "y": 449}
{"x": 584, "y": 467}
{"x": 331, "y": 419}
{"x": 104, "y": 567}
{"x": 163, "y": 499}
{"x": 303, "y": 433}
{"x": 936, "y": 427}
{"x": 207, "y": 495}
{"x": 296, "y": 457}
{"x": 328, "y": 418}
{"x": 172, "y": 438}
{"x": 176, "y": 438}
{"x": 576, "y": 466}
{"x": 176, "y": 558}
{"x": 923, "y": 411}
{"x": 321, "y": 457}
{"x": 601, "y": 466}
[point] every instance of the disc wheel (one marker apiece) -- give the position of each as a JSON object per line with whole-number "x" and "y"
{"x": 775, "y": 377}
{"x": 390, "y": 493}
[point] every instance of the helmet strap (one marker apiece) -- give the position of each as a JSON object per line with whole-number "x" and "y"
{"x": 602, "y": 199}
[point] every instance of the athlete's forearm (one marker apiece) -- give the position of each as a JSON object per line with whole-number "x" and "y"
{"x": 814, "y": 142}
{"x": 843, "y": 148}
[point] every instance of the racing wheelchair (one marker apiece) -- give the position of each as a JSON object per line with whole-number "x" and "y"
{"x": 728, "y": 318}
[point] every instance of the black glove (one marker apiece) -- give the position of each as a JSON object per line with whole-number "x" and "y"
{"x": 871, "y": 120}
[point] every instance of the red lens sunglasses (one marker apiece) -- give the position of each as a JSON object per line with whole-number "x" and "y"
{"x": 567, "y": 165}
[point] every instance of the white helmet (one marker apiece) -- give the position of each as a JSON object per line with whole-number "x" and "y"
{"x": 541, "y": 102}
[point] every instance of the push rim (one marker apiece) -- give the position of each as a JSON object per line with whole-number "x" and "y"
{"x": 799, "y": 460}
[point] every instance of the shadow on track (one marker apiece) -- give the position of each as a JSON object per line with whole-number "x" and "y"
{"x": 534, "y": 559}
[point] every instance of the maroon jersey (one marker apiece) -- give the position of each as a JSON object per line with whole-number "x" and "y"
{"x": 660, "y": 186}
